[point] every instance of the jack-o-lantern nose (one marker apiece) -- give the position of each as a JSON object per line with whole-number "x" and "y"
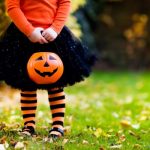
{"x": 46, "y": 65}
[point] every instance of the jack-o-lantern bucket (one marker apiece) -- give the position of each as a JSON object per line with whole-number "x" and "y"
{"x": 45, "y": 67}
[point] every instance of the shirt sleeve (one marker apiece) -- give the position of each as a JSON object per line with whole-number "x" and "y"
{"x": 61, "y": 15}
{"x": 17, "y": 16}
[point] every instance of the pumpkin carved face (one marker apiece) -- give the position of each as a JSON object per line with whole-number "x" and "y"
{"x": 45, "y": 67}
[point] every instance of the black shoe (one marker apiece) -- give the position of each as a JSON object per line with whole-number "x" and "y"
{"x": 28, "y": 130}
{"x": 56, "y": 136}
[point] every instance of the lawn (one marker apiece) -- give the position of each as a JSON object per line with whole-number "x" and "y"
{"x": 109, "y": 110}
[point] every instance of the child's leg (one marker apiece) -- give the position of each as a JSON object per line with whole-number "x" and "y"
{"x": 57, "y": 105}
{"x": 28, "y": 108}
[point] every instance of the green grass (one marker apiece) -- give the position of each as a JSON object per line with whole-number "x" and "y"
{"x": 109, "y": 109}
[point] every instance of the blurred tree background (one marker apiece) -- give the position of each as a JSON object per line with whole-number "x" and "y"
{"x": 117, "y": 30}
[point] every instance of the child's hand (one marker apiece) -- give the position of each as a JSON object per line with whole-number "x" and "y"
{"x": 49, "y": 34}
{"x": 36, "y": 36}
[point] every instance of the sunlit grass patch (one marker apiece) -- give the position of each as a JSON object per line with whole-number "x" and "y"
{"x": 109, "y": 110}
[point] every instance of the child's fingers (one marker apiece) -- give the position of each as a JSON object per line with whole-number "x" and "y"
{"x": 51, "y": 39}
{"x": 43, "y": 40}
{"x": 44, "y": 33}
{"x": 46, "y": 36}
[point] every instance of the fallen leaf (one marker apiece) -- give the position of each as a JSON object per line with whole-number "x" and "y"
{"x": 98, "y": 132}
{"x": 120, "y": 132}
{"x": 115, "y": 147}
{"x": 115, "y": 115}
{"x": 65, "y": 141}
{"x": 122, "y": 138}
{"x": 72, "y": 141}
{"x": 51, "y": 140}
{"x": 143, "y": 118}
{"x": 85, "y": 142}
{"x": 144, "y": 132}
{"x": 67, "y": 129}
{"x": 2, "y": 126}
{"x": 137, "y": 146}
{"x": 3, "y": 139}
{"x": 19, "y": 145}
{"x": 46, "y": 139}
{"x": 125, "y": 123}
{"x": 14, "y": 125}
{"x": 135, "y": 126}
{"x": 132, "y": 133}
{"x": 101, "y": 148}
{"x": 13, "y": 143}
{"x": 110, "y": 131}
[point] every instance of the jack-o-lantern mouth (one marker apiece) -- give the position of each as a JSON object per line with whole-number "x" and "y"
{"x": 46, "y": 73}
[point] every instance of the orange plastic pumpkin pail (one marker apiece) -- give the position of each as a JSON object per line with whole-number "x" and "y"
{"x": 45, "y": 67}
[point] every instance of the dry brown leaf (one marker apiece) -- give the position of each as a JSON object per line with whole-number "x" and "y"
{"x": 119, "y": 133}
{"x": 2, "y": 126}
{"x": 101, "y": 148}
{"x": 13, "y": 143}
{"x": 3, "y": 139}
{"x": 67, "y": 129}
{"x": 122, "y": 138}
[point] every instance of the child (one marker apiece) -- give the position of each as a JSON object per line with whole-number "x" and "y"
{"x": 39, "y": 26}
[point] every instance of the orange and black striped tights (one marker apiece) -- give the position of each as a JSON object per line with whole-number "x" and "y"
{"x": 56, "y": 102}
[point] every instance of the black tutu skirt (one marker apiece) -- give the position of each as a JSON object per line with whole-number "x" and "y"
{"x": 16, "y": 49}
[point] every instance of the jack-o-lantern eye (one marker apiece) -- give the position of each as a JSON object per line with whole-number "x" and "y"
{"x": 51, "y": 58}
{"x": 39, "y": 58}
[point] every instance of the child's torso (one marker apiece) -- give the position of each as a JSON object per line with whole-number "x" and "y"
{"x": 39, "y": 12}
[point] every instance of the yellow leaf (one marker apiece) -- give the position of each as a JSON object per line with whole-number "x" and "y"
{"x": 132, "y": 133}
{"x": 65, "y": 141}
{"x": 98, "y": 132}
{"x": 137, "y": 146}
{"x": 85, "y": 142}
{"x": 125, "y": 123}
{"x": 116, "y": 147}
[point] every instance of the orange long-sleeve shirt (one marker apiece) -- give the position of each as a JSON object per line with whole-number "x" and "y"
{"x": 28, "y": 14}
